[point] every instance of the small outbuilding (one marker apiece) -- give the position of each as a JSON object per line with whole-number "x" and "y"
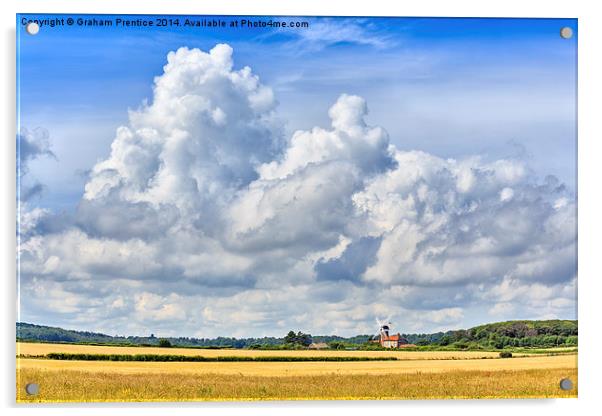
{"x": 318, "y": 346}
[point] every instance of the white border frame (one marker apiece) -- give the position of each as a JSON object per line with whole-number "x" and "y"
{"x": 589, "y": 203}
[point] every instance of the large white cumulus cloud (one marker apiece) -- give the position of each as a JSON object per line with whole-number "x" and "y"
{"x": 202, "y": 137}
{"x": 443, "y": 221}
{"x": 206, "y": 220}
{"x": 318, "y": 173}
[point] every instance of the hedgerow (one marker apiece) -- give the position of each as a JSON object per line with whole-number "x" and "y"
{"x": 198, "y": 358}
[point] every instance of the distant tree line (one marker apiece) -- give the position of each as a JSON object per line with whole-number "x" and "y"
{"x": 40, "y": 333}
{"x": 516, "y": 334}
{"x": 509, "y": 334}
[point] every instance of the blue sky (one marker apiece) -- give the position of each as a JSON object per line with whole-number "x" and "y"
{"x": 448, "y": 86}
{"x": 495, "y": 89}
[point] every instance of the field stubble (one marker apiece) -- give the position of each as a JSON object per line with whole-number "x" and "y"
{"x": 417, "y": 375}
{"x": 26, "y": 348}
{"x": 303, "y": 368}
{"x": 82, "y": 386}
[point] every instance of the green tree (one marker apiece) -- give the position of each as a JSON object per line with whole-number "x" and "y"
{"x": 298, "y": 339}
{"x": 445, "y": 340}
{"x": 290, "y": 338}
{"x": 336, "y": 345}
{"x": 303, "y": 339}
{"x": 164, "y": 343}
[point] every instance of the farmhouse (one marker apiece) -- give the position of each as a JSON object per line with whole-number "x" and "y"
{"x": 387, "y": 340}
{"x": 318, "y": 346}
{"x": 392, "y": 341}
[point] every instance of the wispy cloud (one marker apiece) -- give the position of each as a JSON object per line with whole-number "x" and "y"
{"x": 357, "y": 31}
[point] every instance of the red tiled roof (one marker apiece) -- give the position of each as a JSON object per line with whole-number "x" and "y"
{"x": 391, "y": 338}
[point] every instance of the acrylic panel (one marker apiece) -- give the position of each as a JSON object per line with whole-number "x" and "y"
{"x": 232, "y": 208}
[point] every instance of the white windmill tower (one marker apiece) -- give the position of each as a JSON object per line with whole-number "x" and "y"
{"x": 383, "y": 330}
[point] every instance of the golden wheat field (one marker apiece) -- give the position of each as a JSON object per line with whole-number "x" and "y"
{"x": 302, "y": 368}
{"x": 415, "y": 375}
{"x": 25, "y": 348}
{"x": 83, "y": 386}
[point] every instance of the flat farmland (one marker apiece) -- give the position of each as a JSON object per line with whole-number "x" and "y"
{"x": 277, "y": 369}
{"x": 414, "y": 375}
{"x": 25, "y": 348}
{"x": 107, "y": 386}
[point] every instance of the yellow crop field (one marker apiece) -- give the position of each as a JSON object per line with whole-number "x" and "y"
{"x": 83, "y": 386}
{"x": 275, "y": 369}
{"x": 415, "y": 375}
{"x": 25, "y": 348}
